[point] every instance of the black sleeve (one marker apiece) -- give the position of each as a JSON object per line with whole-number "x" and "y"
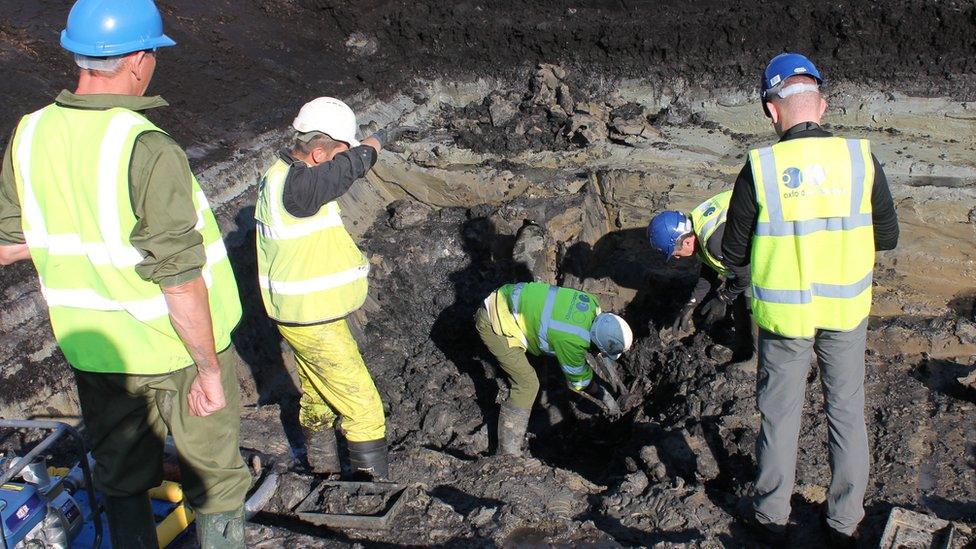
{"x": 883, "y": 211}
{"x": 741, "y": 222}
{"x": 739, "y": 281}
{"x": 307, "y": 188}
{"x": 707, "y": 279}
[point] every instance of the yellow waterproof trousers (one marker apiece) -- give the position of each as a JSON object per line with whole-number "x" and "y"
{"x": 335, "y": 381}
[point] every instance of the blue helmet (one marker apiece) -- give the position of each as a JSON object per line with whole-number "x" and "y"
{"x": 106, "y": 28}
{"x": 782, "y": 67}
{"x": 665, "y": 229}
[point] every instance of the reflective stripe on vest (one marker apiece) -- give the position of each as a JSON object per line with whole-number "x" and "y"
{"x": 72, "y": 174}
{"x": 813, "y": 250}
{"x": 705, "y": 219}
{"x": 548, "y": 323}
{"x": 309, "y": 269}
{"x": 516, "y": 297}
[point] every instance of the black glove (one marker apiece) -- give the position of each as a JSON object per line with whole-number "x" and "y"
{"x": 714, "y": 309}
{"x": 684, "y": 321}
{"x": 393, "y": 135}
{"x": 366, "y": 130}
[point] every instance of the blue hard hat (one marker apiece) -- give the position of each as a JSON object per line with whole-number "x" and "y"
{"x": 782, "y": 67}
{"x": 786, "y": 65}
{"x": 106, "y": 28}
{"x": 665, "y": 229}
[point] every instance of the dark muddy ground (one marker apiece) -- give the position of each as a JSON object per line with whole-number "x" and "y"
{"x": 670, "y": 470}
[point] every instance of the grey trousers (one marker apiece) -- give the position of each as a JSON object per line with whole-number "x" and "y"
{"x": 780, "y": 392}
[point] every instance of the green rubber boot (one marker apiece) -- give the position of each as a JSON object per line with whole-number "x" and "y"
{"x": 512, "y": 424}
{"x": 221, "y": 530}
{"x": 130, "y": 522}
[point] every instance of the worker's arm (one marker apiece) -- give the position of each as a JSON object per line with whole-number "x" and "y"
{"x": 12, "y": 253}
{"x": 161, "y": 192}
{"x": 308, "y": 188}
{"x": 571, "y": 356}
{"x": 189, "y": 311}
{"x": 12, "y": 245}
{"x": 883, "y": 214}
{"x": 740, "y": 224}
{"x": 735, "y": 284}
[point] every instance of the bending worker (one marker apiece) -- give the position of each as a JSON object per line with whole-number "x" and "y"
{"x": 700, "y": 233}
{"x": 141, "y": 295}
{"x": 805, "y": 218}
{"x": 542, "y": 319}
{"x": 312, "y": 275}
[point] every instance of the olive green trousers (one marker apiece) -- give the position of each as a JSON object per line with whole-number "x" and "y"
{"x": 127, "y": 418}
{"x": 523, "y": 379}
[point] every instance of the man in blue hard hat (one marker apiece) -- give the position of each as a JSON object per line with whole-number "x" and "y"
{"x": 139, "y": 289}
{"x": 700, "y": 233}
{"x": 805, "y": 219}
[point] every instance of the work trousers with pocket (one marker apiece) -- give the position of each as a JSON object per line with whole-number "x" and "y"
{"x": 335, "y": 381}
{"x": 127, "y": 418}
{"x": 523, "y": 379}
{"x": 781, "y": 386}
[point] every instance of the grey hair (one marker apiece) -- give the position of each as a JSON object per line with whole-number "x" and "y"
{"x": 110, "y": 65}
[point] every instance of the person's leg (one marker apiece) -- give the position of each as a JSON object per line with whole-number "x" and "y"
{"x": 214, "y": 477}
{"x": 126, "y": 437}
{"x": 316, "y": 416}
{"x": 513, "y": 417}
{"x": 745, "y": 341}
{"x": 841, "y": 357}
{"x": 522, "y": 377}
{"x": 781, "y": 383}
{"x": 336, "y": 371}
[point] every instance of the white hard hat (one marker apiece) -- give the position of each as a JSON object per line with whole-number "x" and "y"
{"x": 611, "y": 334}
{"x": 329, "y": 116}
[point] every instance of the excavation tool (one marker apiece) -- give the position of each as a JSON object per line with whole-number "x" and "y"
{"x": 342, "y": 504}
{"x": 910, "y": 529}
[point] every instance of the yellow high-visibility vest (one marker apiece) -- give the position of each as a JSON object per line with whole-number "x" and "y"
{"x": 309, "y": 269}
{"x": 72, "y": 172}
{"x": 813, "y": 249}
{"x": 707, "y": 217}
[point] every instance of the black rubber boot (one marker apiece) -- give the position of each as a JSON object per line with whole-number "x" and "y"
{"x": 369, "y": 460}
{"x": 221, "y": 530}
{"x": 322, "y": 451}
{"x": 512, "y": 423}
{"x": 131, "y": 522}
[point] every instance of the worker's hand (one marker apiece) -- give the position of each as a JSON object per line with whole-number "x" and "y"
{"x": 394, "y": 135}
{"x": 684, "y": 321}
{"x": 366, "y": 130}
{"x": 206, "y": 394}
{"x": 714, "y": 309}
{"x": 609, "y": 404}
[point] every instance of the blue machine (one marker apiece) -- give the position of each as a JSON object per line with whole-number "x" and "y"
{"x": 22, "y": 510}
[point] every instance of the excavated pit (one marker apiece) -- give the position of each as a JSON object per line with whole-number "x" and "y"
{"x": 636, "y": 114}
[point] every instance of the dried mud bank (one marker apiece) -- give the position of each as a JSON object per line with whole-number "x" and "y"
{"x": 589, "y": 163}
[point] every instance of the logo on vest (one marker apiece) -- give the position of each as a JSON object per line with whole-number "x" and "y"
{"x": 709, "y": 211}
{"x": 813, "y": 175}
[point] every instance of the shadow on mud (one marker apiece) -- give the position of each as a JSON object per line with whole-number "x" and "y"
{"x": 256, "y": 339}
